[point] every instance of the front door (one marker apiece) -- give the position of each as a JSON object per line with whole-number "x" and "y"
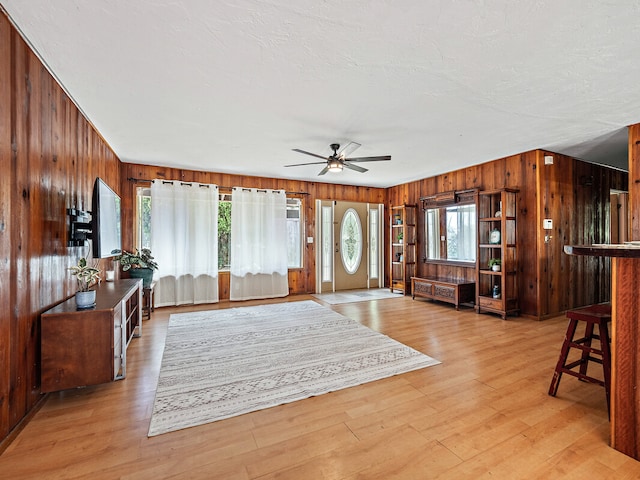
{"x": 350, "y": 253}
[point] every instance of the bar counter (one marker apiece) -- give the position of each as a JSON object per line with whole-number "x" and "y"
{"x": 625, "y": 340}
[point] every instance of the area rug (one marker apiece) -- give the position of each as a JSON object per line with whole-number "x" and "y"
{"x": 222, "y": 363}
{"x": 349, "y": 296}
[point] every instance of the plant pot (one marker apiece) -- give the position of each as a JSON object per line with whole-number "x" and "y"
{"x": 495, "y": 268}
{"x": 86, "y": 299}
{"x": 146, "y": 274}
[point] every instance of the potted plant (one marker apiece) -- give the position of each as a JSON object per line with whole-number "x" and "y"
{"x": 87, "y": 276}
{"x": 494, "y": 264}
{"x": 140, "y": 264}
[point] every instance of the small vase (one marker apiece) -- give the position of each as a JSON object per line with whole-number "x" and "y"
{"x": 86, "y": 299}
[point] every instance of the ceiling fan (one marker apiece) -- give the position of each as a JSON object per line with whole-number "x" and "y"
{"x": 339, "y": 160}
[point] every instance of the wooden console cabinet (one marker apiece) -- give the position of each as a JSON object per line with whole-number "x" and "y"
{"x": 89, "y": 347}
{"x": 450, "y": 291}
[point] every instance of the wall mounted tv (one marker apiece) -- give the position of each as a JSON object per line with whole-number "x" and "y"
{"x": 105, "y": 221}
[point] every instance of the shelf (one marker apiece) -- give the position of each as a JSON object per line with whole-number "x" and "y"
{"x": 490, "y": 272}
{"x": 490, "y": 202}
{"x": 402, "y": 270}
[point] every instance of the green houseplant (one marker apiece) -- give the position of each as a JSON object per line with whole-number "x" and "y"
{"x": 140, "y": 264}
{"x": 494, "y": 264}
{"x": 86, "y": 276}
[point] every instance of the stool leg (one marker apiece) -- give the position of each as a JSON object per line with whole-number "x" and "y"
{"x": 584, "y": 362}
{"x": 606, "y": 360}
{"x": 564, "y": 352}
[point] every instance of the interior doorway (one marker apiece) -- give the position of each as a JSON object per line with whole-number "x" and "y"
{"x": 619, "y": 217}
{"x": 350, "y": 251}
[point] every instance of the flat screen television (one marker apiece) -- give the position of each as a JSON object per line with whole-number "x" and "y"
{"x": 105, "y": 221}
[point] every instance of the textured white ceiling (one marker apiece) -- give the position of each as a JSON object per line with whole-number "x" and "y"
{"x": 233, "y": 86}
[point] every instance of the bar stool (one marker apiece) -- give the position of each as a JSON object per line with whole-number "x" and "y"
{"x": 600, "y": 315}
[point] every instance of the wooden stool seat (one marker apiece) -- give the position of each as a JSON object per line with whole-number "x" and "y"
{"x": 600, "y": 315}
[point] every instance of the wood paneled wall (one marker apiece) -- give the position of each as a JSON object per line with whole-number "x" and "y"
{"x": 634, "y": 180}
{"x": 549, "y": 281}
{"x": 49, "y": 158}
{"x": 575, "y": 195}
{"x": 300, "y": 281}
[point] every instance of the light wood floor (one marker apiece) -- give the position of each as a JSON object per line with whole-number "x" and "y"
{"x": 483, "y": 413}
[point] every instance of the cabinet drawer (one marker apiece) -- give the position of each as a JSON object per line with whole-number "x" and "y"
{"x": 444, "y": 292}
{"x": 424, "y": 288}
{"x": 490, "y": 302}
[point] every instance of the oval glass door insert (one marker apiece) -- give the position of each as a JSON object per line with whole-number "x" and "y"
{"x": 351, "y": 241}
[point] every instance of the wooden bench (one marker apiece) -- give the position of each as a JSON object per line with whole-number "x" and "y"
{"x": 444, "y": 290}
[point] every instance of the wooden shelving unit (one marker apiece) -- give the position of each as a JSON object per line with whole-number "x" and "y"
{"x": 497, "y": 291}
{"x": 402, "y": 221}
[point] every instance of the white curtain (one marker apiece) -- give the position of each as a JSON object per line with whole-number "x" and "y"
{"x": 184, "y": 242}
{"x": 258, "y": 244}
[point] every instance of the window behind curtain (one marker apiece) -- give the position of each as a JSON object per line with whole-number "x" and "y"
{"x": 295, "y": 228}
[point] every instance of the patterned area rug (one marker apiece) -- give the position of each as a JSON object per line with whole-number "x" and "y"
{"x": 349, "y": 296}
{"x": 222, "y": 363}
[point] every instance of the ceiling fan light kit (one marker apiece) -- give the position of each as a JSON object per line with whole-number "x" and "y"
{"x": 338, "y": 160}
{"x": 334, "y": 165}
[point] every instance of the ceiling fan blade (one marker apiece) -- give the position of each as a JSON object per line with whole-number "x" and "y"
{"x": 348, "y": 149}
{"x": 308, "y": 153}
{"x": 355, "y": 167}
{"x": 324, "y": 170}
{"x": 310, "y": 163}
{"x": 382, "y": 158}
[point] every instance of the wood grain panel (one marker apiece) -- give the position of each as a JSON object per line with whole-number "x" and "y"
{"x": 634, "y": 180}
{"x": 53, "y": 155}
{"x": 625, "y": 405}
{"x": 6, "y": 162}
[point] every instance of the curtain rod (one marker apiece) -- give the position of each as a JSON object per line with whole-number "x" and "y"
{"x": 146, "y": 180}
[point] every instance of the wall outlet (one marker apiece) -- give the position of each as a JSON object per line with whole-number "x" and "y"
{"x": 547, "y": 224}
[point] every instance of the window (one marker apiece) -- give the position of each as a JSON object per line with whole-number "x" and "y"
{"x": 432, "y": 223}
{"x": 294, "y": 232}
{"x": 327, "y": 243}
{"x": 224, "y": 232}
{"x": 143, "y": 230}
{"x": 450, "y": 228}
{"x": 374, "y": 267}
{"x": 295, "y": 228}
{"x": 461, "y": 233}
